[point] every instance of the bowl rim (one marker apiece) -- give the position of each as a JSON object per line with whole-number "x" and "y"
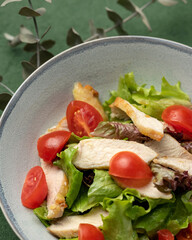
{"x": 64, "y": 54}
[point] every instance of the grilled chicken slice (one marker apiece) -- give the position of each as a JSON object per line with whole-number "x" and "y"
{"x": 147, "y": 125}
{"x": 97, "y": 153}
{"x": 89, "y": 95}
{"x": 67, "y": 227}
{"x": 151, "y": 191}
{"x": 177, "y": 164}
{"x": 169, "y": 147}
{"x": 57, "y": 189}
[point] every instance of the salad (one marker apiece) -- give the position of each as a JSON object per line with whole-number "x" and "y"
{"x": 118, "y": 170}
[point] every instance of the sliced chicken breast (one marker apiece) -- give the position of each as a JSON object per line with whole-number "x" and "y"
{"x": 57, "y": 189}
{"x": 97, "y": 153}
{"x": 67, "y": 227}
{"x": 169, "y": 147}
{"x": 177, "y": 164}
{"x": 147, "y": 125}
{"x": 89, "y": 95}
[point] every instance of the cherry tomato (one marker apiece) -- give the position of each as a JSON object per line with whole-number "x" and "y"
{"x": 89, "y": 232}
{"x": 180, "y": 117}
{"x": 52, "y": 143}
{"x": 82, "y": 118}
{"x": 132, "y": 183}
{"x": 129, "y": 165}
{"x": 185, "y": 234}
{"x": 34, "y": 189}
{"x": 165, "y": 234}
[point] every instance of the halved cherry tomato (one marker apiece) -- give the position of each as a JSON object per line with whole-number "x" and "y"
{"x": 129, "y": 165}
{"x": 185, "y": 234}
{"x": 180, "y": 117}
{"x": 89, "y": 232}
{"x": 165, "y": 234}
{"x": 82, "y": 118}
{"x": 34, "y": 189}
{"x": 52, "y": 143}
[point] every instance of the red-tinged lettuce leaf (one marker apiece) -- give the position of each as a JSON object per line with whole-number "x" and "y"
{"x": 168, "y": 180}
{"x": 119, "y": 130}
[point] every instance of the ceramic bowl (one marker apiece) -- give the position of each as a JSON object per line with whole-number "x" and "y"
{"x": 41, "y": 101}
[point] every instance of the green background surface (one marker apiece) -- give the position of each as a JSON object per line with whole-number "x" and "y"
{"x": 173, "y": 23}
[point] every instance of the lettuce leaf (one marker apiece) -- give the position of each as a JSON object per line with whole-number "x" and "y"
{"x": 117, "y": 225}
{"x": 168, "y": 180}
{"x": 74, "y": 176}
{"x": 173, "y": 216}
{"x": 128, "y": 206}
{"x": 118, "y": 130}
{"x": 148, "y": 100}
{"x": 82, "y": 203}
{"x": 102, "y": 186}
{"x": 41, "y": 213}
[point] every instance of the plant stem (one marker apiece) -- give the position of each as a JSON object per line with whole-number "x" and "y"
{"x": 37, "y": 35}
{"x": 124, "y": 21}
{"x": 3, "y": 85}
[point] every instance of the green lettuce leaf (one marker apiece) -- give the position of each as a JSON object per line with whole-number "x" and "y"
{"x": 128, "y": 206}
{"x": 117, "y": 225}
{"x": 41, "y": 213}
{"x": 74, "y": 176}
{"x": 148, "y": 100}
{"x": 102, "y": 186}
{"x": 173, "y": 216}
{"x": 82, "y": 203}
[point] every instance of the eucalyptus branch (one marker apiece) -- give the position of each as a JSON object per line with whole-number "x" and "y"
{"x": 134, "y": 14}
{"x": 6, "y": 87}
{"x": 37, "y": 35}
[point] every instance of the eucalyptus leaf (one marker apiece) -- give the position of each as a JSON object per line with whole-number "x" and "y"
{"x": 73, "y": 38}
{"x": 127, "y": 4}
{"x": 30, "y": 47}
{"x": 44, "y": 57}
{"x": 118, "y": 21}
{"x": 28, "y": 12}
{"x": 13, "y": 40}
{"x": 9, "y": 37}
{"x": 24, "y": 30}
{"x": 41, "y": 11}
{"x": 9, "y": 1}
{"x": 47, "y": 44}
{"x": 47, "y": 30}
{"x": 168, "y": 3}
{"x": 28, "y": 38}
{"x": 28, "y": 68}
{"x": 143, "y": 17}
{"x": 4, "y": 99}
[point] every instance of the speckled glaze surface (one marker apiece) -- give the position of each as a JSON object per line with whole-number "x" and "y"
{"x": 41, "y": 101}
